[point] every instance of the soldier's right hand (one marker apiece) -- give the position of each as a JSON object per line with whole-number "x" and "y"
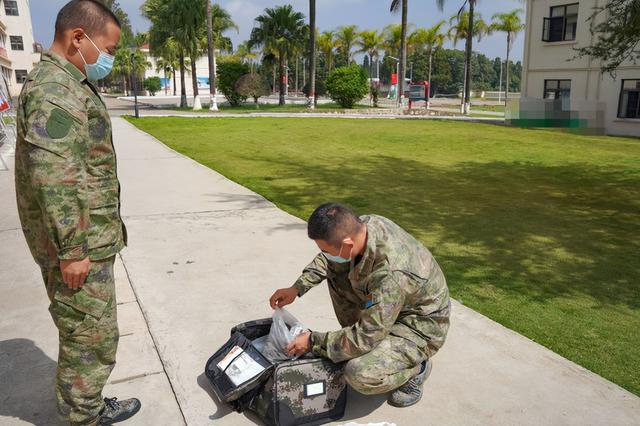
{"x": 74, "y": 272}
{"x": 283, "y": 297}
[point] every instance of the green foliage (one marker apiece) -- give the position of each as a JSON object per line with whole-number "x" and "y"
{"x": 153, "y": 85}
{"x": 229, "y": 72}
{"x": 617, "y": 37}
{"x": 253, "y": 85}
{"x": 348, "y": 85}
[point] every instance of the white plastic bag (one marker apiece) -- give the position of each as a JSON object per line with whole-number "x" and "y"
{"x": 284, "y": 329}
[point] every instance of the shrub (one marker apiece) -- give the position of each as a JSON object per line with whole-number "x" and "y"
{"x": 348, "y": 85}
{"x": 228, "y": 74}
{"x": 153, "y": 85}
{"x": 253, "y": 86}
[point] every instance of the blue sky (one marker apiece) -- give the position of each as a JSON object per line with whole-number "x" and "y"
{"x": 367, "y": 14}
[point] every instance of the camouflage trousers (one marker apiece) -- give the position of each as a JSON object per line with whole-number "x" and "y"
{"x": 390, "y": 364}
{"x": 88, "y": 339}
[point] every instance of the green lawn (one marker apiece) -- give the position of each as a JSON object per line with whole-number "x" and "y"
{"x": 249, "y": 108}
{"x": 537, "y": 229}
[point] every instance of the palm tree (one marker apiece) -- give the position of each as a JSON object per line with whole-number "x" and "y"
{"x": 312, "y": 54}
{"x": 460, "y": 30}
{"x": 511, "y": 24}
{"x": 346, "y": 37}
{"x": 395, "y": 6}
{"x": 370, "y": 42}
{"x": 392, "y": 39}
{"x": 182, "y": 20}
{"x": 218, "y": 21}
{"x": 122, "y": 67}
{"x": 277, "y": 30}
{"x": 429, "y": 40}
{"x": 326, "y": 46}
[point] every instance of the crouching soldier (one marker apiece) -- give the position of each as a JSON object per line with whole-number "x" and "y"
{"x": 389, "y": 295}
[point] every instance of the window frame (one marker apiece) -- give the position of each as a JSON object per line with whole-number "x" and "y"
{"x": 11, "y": 9}
{"x": 622, "y": 92}
{"x": 557, "y": 90}
{"x": 19, "y": 42}
{"x": 24, "y": 78}
{"x": 546, "y": 24}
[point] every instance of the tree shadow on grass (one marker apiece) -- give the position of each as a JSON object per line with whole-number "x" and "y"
{"x": 533, "y": 230}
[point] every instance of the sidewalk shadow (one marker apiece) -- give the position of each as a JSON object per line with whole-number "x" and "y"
{"x": 28, "y": 376}
{"x": 222, "y": 409}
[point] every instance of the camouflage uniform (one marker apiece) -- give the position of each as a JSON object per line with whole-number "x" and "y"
{"x": 69, "y": 203}
{"x": 393, "y": 303}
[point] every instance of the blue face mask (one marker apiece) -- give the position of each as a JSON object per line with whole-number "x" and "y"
{"x": 337, "y": 259}
{"x": 101, "y": 68}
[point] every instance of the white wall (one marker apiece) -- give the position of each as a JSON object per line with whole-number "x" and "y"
{"x": 19, "y": 26}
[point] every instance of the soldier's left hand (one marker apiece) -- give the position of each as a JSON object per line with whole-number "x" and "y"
{"x": 300, "y": 345}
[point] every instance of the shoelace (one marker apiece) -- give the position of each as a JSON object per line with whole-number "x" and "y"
{"x": 112, "y": 403}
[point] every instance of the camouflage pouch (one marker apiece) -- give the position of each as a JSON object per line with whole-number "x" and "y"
{"x": 302, "y": 392}
{"x": 305, "y": 391}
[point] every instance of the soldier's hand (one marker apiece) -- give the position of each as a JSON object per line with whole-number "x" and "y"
{"x": 300, "y": 345}
{"x": 74, "y": 272}
{"x": 283, "y": 297}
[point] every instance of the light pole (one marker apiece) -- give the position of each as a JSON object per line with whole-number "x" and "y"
{"x": 134, "y": 82}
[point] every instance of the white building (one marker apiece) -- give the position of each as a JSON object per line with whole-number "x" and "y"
{"x": 202, "y": 71}
{"x": 558, "y": 86}
{"x": 18, "y": 50}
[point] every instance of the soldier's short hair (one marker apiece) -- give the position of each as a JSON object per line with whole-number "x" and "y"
{"x": 332, "y": 223}
{"x": 90, "y": 15}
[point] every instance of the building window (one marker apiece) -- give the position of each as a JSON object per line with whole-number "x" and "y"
{"x": 11, "y": 7}
{"x": 21, "y": 76}
{"x": 629, "y": 106}
{"x": 562, "y": 23}
{"x": 557, "y": 89}
{"x": 16, "y": 43}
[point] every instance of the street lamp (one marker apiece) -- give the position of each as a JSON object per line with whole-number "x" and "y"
{"x": 134, "y": 82}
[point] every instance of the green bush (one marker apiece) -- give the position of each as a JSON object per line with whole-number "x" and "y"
{"x": 228, "y": 75}
{"x": 348, "y": 85}
{"x": 253, "y": 86}
{"x": 153, "y": 85}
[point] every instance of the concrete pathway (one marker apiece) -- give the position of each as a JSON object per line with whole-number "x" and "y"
{"x": 204, "y": 255}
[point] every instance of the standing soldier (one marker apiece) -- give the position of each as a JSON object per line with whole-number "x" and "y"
{"x": 69, "y": 202}
{"x": 390, "y": 297}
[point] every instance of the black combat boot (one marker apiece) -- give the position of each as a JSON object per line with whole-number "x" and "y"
{"x": 115, "y": 411}
{"x": 411, "y": 392}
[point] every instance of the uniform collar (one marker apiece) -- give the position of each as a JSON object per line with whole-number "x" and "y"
{"x": 364, "y": 268}
{"x": 60, "y": 62}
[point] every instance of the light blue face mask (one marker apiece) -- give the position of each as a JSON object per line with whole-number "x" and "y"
{"x": 101, "y": 68}
{"x": 337, "y": 259}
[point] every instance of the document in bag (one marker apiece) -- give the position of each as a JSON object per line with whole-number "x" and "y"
{"x": 239, "y": 366}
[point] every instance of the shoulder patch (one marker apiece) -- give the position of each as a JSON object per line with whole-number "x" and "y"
{"x": 59, "y": 123}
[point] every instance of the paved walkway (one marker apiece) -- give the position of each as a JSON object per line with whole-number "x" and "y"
{"x": 204, "y": 255}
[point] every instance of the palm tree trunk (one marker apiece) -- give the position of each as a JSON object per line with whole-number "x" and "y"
{"x": 429, "y": 74}
{"x": 506, "y": 97}
{"x": 210, "y": 53}
{"x": 175, "y": 86}
{"x": 194, "y": 77}
{"x": 312, "y": 53}
{"x": 469, "y": 50}
{"x": 403, "y": 52}
{"x": 183, "y": 83}
{"x": 124, "y": 85}
{"x": 282, "y": 77}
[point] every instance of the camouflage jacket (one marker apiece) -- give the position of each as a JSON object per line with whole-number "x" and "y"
{"x": 66, "y": 184}
{"x": 400, "y": 286}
